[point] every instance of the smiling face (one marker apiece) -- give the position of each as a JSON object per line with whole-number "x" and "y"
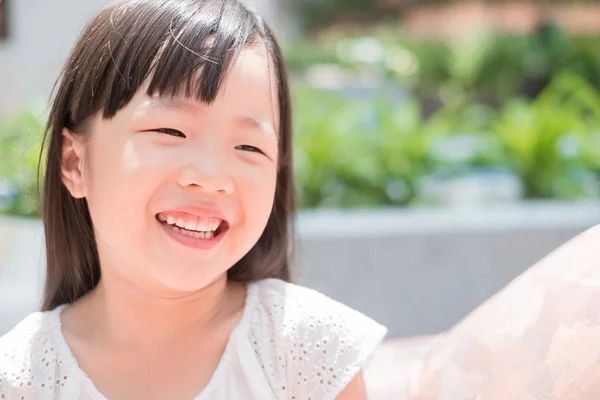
{"x": 179, "y": 190}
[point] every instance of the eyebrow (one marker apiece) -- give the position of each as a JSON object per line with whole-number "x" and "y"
{"x": 256, "y": 122}
{"x": 177, "y": 103}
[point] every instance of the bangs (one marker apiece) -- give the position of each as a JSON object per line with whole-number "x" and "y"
{"x": 205, "y": 46}
{"x": 173, "y": 46}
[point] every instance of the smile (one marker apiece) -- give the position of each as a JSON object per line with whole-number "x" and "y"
{"x": 193, "y": 231}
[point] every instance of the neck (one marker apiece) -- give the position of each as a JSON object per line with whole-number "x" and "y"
{"x": 122, "y": 312}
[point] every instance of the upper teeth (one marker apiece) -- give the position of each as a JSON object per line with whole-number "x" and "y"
{"x": 198, "y": 225}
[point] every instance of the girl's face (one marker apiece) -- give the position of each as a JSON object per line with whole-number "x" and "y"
{"x": 178, "y": 190}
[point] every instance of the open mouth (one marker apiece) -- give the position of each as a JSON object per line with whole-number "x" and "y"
{"x": 198, "y": 228}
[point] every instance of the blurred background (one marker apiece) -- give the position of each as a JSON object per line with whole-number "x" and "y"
{"x": 442, "y": 147}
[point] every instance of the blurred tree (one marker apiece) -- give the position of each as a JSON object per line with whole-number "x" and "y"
{"x": 3, "y": 18}
{"x": 425, "y": 2}
{"x": 314, "y": 14}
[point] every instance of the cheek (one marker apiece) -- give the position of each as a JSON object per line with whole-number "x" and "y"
{"x": 121, "y": 179}
{"x": 257, "y": 195}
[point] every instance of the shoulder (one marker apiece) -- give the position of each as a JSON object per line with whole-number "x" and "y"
{"x": 26, "y": 352}
{"x": 312, "y": 344}
{"x": 25, "y": 337}
{"x": 306, "y": 312}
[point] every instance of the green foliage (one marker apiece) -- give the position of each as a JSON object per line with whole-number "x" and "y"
{"x": 489, "y": 68}
{"x": 360, "y": 153}
{"x": 543, "y": 141}
{"x": 368, "y": 153}
{"x": 314, "y": 14}
{"x": 300, "y": 54}
{"x": 20, "y": 145}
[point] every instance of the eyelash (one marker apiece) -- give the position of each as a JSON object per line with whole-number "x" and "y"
{"x": 244, "y": 147}
{"x": 167, "y": 130}
{"x": 247, "y": 147}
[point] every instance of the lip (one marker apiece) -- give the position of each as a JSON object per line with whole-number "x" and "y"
{"x": 197, "y": 211}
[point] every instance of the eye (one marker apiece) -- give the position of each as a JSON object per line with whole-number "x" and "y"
{"x": 170, "y": 132}
{"x": 247, "y": 147}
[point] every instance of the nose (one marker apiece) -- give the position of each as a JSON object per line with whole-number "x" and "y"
{"x": 207, "y": 172}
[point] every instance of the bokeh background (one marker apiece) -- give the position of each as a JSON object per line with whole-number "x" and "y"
{"x": 442, "y": 147}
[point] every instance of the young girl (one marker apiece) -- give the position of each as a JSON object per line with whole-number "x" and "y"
{"x": 168, "y": 200}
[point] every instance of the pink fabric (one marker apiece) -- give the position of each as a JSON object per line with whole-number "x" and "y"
{"x": 539, "y": 338}
{"x": 394, "y": 365}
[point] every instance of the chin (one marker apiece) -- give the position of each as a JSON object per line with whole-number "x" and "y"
{"x": 188, "y": 279}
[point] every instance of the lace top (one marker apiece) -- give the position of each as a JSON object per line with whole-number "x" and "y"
{"x": 291, "y": 343}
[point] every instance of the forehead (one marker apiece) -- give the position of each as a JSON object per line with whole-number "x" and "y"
{"x": 248, "y": 87}
{"x": 250, "y": 80}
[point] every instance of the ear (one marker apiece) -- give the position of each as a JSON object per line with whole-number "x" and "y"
{"x": 72, "y": 165}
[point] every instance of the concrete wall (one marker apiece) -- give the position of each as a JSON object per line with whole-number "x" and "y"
{"x": 421, "y": 271}
{"x": 41, "y": 34}
{"x": 416, "y": 271}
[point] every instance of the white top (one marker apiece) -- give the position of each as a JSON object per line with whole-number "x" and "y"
{"x": 291, "y": 343}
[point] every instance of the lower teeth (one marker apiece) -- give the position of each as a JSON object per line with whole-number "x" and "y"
{"x": 197, "y": 235}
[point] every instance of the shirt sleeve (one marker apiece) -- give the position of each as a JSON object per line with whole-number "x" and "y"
{"x": 18, "y": 364}
{"x": 320, "y": 344}
{"x": 30, "y": 364}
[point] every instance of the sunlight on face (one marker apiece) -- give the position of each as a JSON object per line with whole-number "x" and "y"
{"x": 166, "y": 171}
{"x": 131, "y": 159}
